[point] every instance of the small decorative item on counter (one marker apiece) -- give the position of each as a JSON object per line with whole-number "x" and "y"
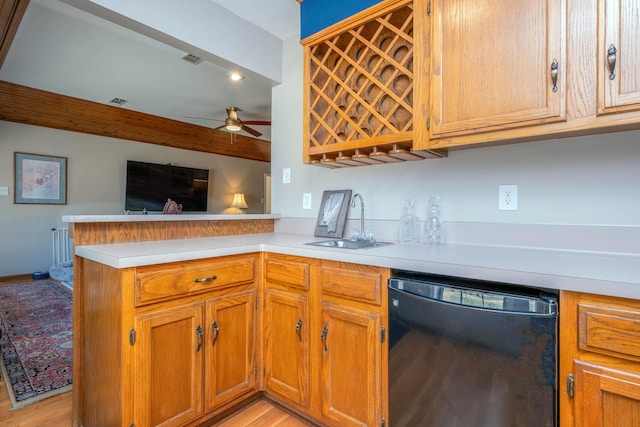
{"x": 409, "y": 224}
{"x": 171, "y": 207}
{"x": 433, "y": 229}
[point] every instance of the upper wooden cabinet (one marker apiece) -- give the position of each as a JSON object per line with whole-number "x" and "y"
{"x": 360, "y": 88}
{"x": 477, "y": 73}
{"x": 496, "y": 64}
{"x": 618, "y": 56}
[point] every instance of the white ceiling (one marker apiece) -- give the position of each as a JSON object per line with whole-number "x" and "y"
{"x": 65, "y": 50}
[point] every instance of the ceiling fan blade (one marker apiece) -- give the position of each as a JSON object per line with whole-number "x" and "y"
{"x": 257, "y": 122}
{"x": 251, "y": 131}
{"x": 219, "y": 127}
{"x": 202, "y": 118}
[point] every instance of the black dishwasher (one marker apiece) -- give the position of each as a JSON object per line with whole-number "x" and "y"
{"x": 470, "y": 353}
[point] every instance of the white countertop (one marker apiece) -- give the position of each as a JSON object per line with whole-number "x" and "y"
{"x": 158, "y": 216}
{"x": 615, "y": 274}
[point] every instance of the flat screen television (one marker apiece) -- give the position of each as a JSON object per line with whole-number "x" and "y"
{"x": 149, "y": 185}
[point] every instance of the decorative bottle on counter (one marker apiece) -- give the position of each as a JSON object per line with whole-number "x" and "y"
{"x": 409, "y": 224}
{"x": 433, "y": 229}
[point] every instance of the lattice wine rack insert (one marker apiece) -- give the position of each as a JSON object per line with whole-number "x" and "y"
{"x": 361, "y": 87}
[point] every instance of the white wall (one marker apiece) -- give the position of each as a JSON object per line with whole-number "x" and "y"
{"x": 96, "y": 185}
{"x": 585, "y": 180}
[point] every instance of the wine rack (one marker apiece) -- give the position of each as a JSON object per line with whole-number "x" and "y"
{"x": 360, "y": 91}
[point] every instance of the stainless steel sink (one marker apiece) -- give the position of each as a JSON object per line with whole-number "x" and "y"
{"x": 348, "y": 244}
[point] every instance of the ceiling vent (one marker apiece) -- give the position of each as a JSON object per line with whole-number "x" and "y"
{"x": 195, "y": 60}
{"x": 118, "y": 101}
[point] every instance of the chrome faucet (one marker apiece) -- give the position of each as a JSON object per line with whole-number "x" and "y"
{"x": 353, "y": 205}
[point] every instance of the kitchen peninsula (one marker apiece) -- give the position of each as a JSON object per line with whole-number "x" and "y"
{"x": 143, "y": 300}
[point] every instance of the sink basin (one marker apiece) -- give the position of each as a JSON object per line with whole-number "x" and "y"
{"x": 348, "y": 244}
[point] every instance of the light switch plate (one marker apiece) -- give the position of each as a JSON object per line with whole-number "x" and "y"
{"x": 306, "y": 201}
{"x": 286, "y": 175}
{"x": 4, "y": 191}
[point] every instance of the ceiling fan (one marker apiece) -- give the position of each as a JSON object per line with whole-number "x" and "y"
{"x": 233, "y": 123}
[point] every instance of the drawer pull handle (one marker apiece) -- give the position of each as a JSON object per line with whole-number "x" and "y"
{"x": 298, "y": 327}
{"x": 200, "y": 336}
{"x": 206, "y": 279}
{"x": 554, "y": 75}
{"x": 611, "y": 59}
{"x": 214, "y": 325}
{"x": 323, "y": 338}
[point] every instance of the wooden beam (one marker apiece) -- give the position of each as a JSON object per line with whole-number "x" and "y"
{"x": 11, "y": 13}
{"x": 26, "y": 105}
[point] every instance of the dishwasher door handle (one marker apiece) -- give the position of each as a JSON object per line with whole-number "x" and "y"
{"x": 475, "y": 298}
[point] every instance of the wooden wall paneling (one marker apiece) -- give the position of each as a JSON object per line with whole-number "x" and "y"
{"x": 26, "y": 105}
{"x": 92, "y": 233}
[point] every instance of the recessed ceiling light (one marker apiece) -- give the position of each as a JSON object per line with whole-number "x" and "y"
{"x": 236, "y": 77}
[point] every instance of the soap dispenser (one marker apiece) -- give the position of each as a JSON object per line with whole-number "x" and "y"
{"x": 433, "y": 229}
{"x": 409, "y": 224}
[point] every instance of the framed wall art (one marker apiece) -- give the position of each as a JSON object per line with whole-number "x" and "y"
{"x": 333, "y": 213}
{"x": 40, "y": 179}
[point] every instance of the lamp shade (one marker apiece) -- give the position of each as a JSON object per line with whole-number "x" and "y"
{"x": 239, "y": 202}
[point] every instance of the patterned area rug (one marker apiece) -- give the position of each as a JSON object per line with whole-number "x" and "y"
{"x": 36, "y": 340}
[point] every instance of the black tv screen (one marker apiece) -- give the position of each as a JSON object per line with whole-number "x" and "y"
{"x": 149, "y": 186}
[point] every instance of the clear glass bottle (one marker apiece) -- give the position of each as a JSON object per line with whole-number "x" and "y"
{"x": 433, "y": 229}
{"x": 409, "y": 231}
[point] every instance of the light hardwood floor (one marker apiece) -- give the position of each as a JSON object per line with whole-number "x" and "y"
{"x": 56, "y": 411}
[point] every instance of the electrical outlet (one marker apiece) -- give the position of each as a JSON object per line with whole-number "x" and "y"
{"x": 508, "y": 197}
{"x": 4, "y": 191}
{"x": 306, "y": 201}
{"x": 286, "y": 175}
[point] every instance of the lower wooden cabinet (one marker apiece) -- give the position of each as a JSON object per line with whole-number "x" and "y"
{"x": 325, "y": 351}
{"x": 599, "y": 361}
{"x": 351, "y": 365}
{"x": 164, "y": 345}
{"x": 230, "y": 366}
{"x": 605, "y": 397}
{"x": 287, "y": 330}
{"x": 168, "y": 364}
{"x": 170, "y": 347}
{"x": 176, "y": 344}
{"x": 287, "y": 346}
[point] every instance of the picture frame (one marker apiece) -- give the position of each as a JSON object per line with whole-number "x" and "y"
{"x": 332, "y": 215}
{"x": 40, "y": 179}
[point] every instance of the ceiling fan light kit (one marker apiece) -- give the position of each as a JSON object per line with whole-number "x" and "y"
{"x": 233, "y": 124}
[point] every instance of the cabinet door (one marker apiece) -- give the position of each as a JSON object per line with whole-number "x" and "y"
{"x": 287, "y": 345}
{"x": 168, "y": 355}
{"x": 605, "y": 397}
{"x": 619, "y": 41}
{"x": 492, "y": 64}
{"x": 351, "y": 365}
{"x": 230, "y": 355}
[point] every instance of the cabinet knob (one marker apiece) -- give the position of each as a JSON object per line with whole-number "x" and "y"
{"x": 611, "y": 59}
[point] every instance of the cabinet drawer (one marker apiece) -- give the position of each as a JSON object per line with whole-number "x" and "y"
{"x": 352, "y": 281}
{"x": 185, "y": 278}
{"x": 609, "y": 330}
{"x": 291, "y": 273}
